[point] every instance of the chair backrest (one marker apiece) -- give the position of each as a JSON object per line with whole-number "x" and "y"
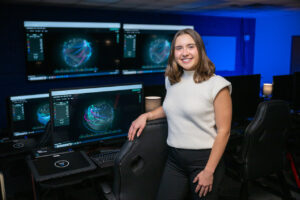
{"x": 139, "y": 166}
{"x": 263, "y": 148}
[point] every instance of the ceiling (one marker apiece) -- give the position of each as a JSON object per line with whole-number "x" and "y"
{"x": 170, "y": 5}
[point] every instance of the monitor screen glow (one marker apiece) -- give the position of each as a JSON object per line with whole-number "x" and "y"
{"x": 146, "y": 48}
{"x": 58, "y": 50}
{"x": 29, "y": 114}
{"x": 87, "y": 115}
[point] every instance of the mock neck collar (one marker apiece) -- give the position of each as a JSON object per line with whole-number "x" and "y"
{"x": 188, "y": 73}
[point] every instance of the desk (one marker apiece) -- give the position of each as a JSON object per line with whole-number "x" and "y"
{"x": 9, "y": 148}
{"x": 42, "y": 189}
{"x": 14, "y": 168}
{"x": 62, "y": 170}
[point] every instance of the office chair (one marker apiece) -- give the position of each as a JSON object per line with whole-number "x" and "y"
{"x": 263, "y": 150}
{"x": 294, "y": 151}
{"x": 139, "y": 165}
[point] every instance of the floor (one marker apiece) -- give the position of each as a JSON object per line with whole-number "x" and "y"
{"x": 256, "y": 192}
{"x": 230, "y": 191}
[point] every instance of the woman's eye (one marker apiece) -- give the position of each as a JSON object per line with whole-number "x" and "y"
{"x": 178, "y": 48}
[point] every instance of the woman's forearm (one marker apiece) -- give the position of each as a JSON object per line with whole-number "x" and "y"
{"x": 156, "y": 114}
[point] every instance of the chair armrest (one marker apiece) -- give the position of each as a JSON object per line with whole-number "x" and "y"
{"x": 107, "y": 191}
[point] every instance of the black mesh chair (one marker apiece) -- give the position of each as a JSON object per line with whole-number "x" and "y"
{"x": 139, "y": 165}
{"x": 263, "y": 148}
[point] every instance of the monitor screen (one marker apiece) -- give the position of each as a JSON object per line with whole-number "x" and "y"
{"x": 87, "y": 115}
{"x": 56, "y": 50}
{"x": 245, "y": 96}
{"x": 283, "y": 88}
{"x": 146, "y": 48}
{"x": 29, "y": 114}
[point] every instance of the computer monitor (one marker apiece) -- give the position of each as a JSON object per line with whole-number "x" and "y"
{"x": 155, "y": 90}
{"x": 296, "y": 93}
{"x": 56, "y": 50}
{"x": 245, "y": 96}
{"x": 84, "y": 116}
{"x": 29, "y": 114}
{"x": 283, "y": 87}
{"x": 147, "y": 47}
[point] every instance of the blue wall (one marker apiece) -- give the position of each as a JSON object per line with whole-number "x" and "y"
{"x": 273, "y": 42}
{"x": 13, "y": 72}
{"x": 274, "y": 29}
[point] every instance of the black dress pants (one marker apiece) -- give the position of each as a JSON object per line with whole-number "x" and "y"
{"x": 181, "y": 168}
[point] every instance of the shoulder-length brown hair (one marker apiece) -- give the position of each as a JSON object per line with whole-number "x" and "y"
{"x": 204, "y": 68}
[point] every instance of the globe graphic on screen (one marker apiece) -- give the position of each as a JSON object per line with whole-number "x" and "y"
{"x": 99, "y": 117}
{"x": 43, "y": 114}
{"x": 159, "y": 50}
{"x": 76, "y": 52}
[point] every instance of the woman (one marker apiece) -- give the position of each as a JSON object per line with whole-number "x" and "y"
{"x": 198, "y": 110}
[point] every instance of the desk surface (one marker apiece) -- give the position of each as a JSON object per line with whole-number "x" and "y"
{"x": 75, "y": 178}
{"x": 15, "y": 147}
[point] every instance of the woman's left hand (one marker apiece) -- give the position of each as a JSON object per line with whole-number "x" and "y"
{"x": 205, "y": 181}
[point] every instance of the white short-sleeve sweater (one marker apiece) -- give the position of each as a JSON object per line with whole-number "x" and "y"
{"x": 190, "y": 111}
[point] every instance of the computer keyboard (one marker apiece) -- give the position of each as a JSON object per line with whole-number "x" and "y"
{"x": 105, "y": 158}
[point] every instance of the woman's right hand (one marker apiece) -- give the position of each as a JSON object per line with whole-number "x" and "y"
{"x": 137, "y": 126}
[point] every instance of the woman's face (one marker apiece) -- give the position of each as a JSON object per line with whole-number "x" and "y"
{"x": 186, "y": 52}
